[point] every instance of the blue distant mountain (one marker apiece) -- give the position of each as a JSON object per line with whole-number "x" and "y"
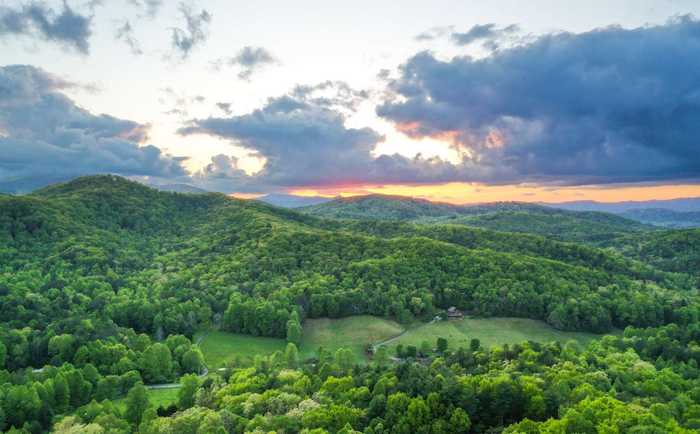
{"x": 682, "y": 205}
{"x": 292, "y": 201}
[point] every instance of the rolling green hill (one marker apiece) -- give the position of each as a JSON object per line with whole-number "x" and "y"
{"x": 672, "y": 250}
{"x": 665, "y": 217}
{"x": 581, "y": 226}
{"x": 256, "y": 265}
{"x": 105, "y": 282}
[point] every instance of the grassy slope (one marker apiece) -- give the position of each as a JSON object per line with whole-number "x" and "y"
{"x": 158, "y": 398}
{"x": 490, "y": 331}
{"x": 221, "y": 347}
{"x": 355, "y": 332}
{"x": 352, "y": 332}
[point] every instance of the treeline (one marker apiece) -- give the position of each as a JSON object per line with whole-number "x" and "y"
{"x": 258, "y": 317}
{"x": 156, "y": 362}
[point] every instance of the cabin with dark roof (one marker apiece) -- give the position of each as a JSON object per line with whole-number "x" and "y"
{"x": 454, "y": 313}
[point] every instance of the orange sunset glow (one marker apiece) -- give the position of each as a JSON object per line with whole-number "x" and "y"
{"x": 461, "y": 193}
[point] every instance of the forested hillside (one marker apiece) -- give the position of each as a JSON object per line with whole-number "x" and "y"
{"x": 581, "y": 226}
{"x": 665, "y": 217}
{"x": 673, "y": 250}
{"x": 104, "y": 282}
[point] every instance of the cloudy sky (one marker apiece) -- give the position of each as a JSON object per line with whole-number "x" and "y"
{"x": 460, "y": 101}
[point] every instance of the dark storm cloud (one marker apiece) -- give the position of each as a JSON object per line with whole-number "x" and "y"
{"x": 305, "y": 143}
{"x": 45, "y": 137}
{"x": 35, "y": 19}
{"x": 195, "y": 32}
{"x": 248, "y": 61}
{"x": 610, "y": 105}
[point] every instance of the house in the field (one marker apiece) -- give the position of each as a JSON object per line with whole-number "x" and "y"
{"x": 454, "y": 313}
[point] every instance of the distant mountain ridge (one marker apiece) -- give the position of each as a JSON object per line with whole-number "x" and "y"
{"x": 671, "y": 213}
{"x": 292, "y": 201}
{"x": 180, "y": 188}
{"x": 665, "y": 217}
{"x": 566, "y": 225}
{"x": 680, "y": 205}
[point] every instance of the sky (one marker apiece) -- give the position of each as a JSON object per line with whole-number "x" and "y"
{"x": 458, "y": 101}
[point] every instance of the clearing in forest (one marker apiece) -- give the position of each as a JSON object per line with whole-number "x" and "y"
{"x": 357, "y": 331}
{"x": 353, "y": 332}
{"x": 490, "y": 331}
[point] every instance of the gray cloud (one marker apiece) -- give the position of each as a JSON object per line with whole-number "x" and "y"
{"x": 67, "y": 28}
{"x": 126, "y": 33}
{"x": 305, "y": 142}
{"x": 331, "y": 94}
{"x": 195, "y": 32}
{"x": 489, "y": 33}
{"x": 248, "y": 61}
{"x": 222, "y": 174}
{"x": 45, "y": 137}
{"x": 150, "y": 8}
{"x": 434, "y": 33}
{"x": 147, "y": 9}
{"x": 180, "y": 104}
{"x": 610, "y": 105}
{"x": 224, "y": 107}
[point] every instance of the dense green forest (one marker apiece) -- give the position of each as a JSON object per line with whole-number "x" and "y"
{"x": 673, "y": 250}
{"x": 665, "y": 217}
{"x": 104, "y": 283}
{"x": 579, "y": 226}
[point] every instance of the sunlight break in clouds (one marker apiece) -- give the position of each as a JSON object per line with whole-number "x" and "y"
{"x": 484, "y": 101}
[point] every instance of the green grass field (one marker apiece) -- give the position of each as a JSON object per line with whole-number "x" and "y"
{"x": 352, "y": 332}
{"x": 490, "y": 331}
{"x": 221, "y": 347}
{"x": 158, "y": 398}
{"x": 357, "y": 331}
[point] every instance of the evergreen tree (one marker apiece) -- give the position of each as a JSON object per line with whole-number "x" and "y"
{"x": 291, "y": 356}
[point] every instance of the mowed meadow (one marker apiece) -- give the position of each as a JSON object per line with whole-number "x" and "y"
{"x": 358, "y": 332}
{"x": 354, "y": 333}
